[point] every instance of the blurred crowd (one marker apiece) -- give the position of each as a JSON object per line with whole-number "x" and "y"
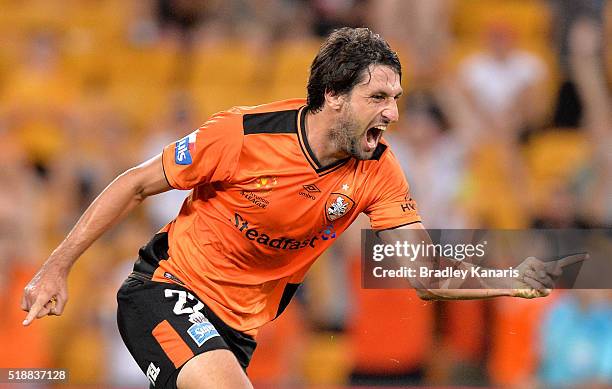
{"x": 506, "y": 123}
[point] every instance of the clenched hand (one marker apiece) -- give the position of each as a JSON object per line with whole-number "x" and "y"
{"x": 46, "y": 294}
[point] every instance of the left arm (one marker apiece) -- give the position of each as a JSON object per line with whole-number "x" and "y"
{"x": 533, "y": 281}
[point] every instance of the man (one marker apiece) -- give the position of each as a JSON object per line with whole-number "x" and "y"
{"x": 272, "y": 186}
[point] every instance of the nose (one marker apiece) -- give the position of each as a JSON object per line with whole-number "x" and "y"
{"x": 391, "y": 113}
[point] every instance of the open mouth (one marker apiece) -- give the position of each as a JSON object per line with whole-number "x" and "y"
{"x": 373, "y": 135}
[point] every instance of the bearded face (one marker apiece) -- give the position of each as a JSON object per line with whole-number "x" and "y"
{"x": 348, "y": 135}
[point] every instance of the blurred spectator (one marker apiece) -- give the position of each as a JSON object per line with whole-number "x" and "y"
{"x": 177, "y": 121}
{"x": 102, "y": 145}
{"x": 262, "y": 22}
{"x": 504, "y": 84}
{"x": 279, "y": 362}
{"x": 390, "y": 334}
{"x": 332, "y": 14}
{"x": 183, "y": 17}
{"x": 560, "y": 210}
{"x": 38, "y": 100}
{"x": 576, "y": 341}
{"x": 459, "y": 353}
{"x": 586, "y": 41}
{"x": 20, "y": 219}
{"x": 421, "y": 27}
{"x": 433, "y": 159}
{"x": 513, "y": 341}
{"x": 40, "y": 114}
{"x": 326, "y": 288}
{"x": 493, "y": 168}
{"x": 566, "y": 13}
{"x": 20, "y": 247}
{"x": 580, "y": 196}
{"x": 142, "y": 28}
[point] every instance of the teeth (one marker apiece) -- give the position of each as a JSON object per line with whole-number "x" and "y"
{"x": 382, "y": 128}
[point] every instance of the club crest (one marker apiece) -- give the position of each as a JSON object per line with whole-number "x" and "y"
{"x": 337, "y": 205}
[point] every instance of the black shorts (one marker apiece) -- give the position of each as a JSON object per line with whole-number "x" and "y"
{"x": 164, "y": 325}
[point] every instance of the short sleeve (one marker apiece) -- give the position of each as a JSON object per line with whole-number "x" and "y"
{"x": 208, "y": 154}
{"x": 390, "y": 202}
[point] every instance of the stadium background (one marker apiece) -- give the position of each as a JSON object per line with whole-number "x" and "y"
{"x": 505, "y": 123}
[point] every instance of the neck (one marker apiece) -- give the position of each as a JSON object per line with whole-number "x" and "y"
{"x": 318, "y": 126}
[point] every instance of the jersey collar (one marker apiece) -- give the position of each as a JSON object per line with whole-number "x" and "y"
{"x": 308, "y": 153}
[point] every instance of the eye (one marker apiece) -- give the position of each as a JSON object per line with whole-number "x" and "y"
{"x": 378, "y": 98}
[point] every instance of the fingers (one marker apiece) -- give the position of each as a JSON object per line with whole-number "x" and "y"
{"x": 534, "y": 263}
{"x": 46, "y": 294}
{"x": 542, "y": 292}
{"x": 547, "y": 272}
{"x": 24, "y": 304}
{"x": 531, "y": 293}
{"x": 44, "y": 311}
{"x": 572, "y": 259}
{"x": 555, "y": 272}
{"x": 43, "y": 307}
{"x": 533, "y": 283}
{"x": 539, "y": 277}
{"x": 36, "y": 308}
{"x": 58, "y": 308}
{"x": 555, "y": 268}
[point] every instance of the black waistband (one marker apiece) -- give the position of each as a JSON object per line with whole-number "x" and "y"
{"x": 140, "y": 276}
{"x": 150, "y": 254}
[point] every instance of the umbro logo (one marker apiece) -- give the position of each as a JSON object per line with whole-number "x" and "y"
{"x": 311, "y": 188}
{"x": 308, "y": 191}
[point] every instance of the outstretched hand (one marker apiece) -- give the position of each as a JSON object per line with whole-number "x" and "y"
{"x": 535, "y": 279}
{"x": 46, "y": 294}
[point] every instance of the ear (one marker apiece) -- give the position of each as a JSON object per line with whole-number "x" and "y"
{"x": 335, "y": 101}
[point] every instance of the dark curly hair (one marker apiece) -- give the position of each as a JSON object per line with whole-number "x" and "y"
{"x": 343, "y": 61}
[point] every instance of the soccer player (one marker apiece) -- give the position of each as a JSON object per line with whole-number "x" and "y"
{"x": 272, "y": 187}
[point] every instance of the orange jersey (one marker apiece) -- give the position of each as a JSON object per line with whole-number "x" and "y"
{"x": 262, "y": 209}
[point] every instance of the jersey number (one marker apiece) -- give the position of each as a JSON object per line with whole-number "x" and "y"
{"x": 179, "y": 307}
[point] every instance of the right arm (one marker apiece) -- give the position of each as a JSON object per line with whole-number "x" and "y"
{"x": 47, "y": 292}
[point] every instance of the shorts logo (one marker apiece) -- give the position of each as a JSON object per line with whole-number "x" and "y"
{"x": 338, "y": 205}
{"x": 152, "y": 373}
{"x": 184, "y": 148}
{"x": 201, "y": 332}
{"x": 172, "y": 277}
